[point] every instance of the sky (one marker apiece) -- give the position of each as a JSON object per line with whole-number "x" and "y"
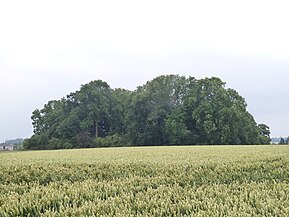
{"x": 49, "y": 48}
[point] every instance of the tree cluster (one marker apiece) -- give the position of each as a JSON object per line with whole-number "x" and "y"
{"x": 284, "y": 141}
{"x": 169, "y": 110}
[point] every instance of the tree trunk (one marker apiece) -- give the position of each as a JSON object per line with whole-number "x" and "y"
{"x": 96, "y": 129}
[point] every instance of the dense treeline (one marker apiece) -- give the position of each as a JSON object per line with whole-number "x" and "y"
{"x": 170, "y": 109}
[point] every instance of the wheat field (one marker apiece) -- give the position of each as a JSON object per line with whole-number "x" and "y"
{"x": 146, "y": 181}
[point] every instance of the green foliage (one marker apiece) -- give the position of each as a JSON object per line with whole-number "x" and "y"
{"x": 264, "y": 134}
{"x": 169, "y": 109}
{"x": 36, "y": 142}
{"x": 84, "y": 140}
{"x": 150, "y": 106}
{"x": 55, "y": 143}
{"x": 176, "y": 128}
{"x": 111, "y": 141}
{"x": 146, "y": 181}
{"x": 212, "y": 114}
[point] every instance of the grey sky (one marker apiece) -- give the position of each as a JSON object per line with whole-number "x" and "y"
{"x": 48, "y": 49}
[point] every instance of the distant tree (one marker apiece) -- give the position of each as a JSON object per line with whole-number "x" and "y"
{"x": 282, "y": 141}
{"x": 287, "y": 140}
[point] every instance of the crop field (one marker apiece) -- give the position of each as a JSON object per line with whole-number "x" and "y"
{"x": 146, "y": 181}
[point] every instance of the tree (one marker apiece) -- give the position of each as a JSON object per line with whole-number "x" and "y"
{"x": 150, "y": 106}
{"x": 264, "y": 134}
{"x": 176, "y": 129}
{"x": 72, "y": 120}
{"x": 282, "y": 141}
{"x": 119, "y": 106}
{"x": 36, "y": 142}
{"x": 217, "y": 115}
{"x": 94, "y": 101}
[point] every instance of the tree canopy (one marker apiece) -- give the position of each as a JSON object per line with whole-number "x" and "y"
{"x": 168, "y": 110}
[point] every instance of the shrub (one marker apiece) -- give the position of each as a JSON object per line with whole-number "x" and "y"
{"x": 111, "y": 141}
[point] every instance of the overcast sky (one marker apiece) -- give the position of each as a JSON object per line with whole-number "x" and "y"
{"x": 49, "y": 48}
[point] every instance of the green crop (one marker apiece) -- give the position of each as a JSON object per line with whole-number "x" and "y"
{"x": 146, "y": 181}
